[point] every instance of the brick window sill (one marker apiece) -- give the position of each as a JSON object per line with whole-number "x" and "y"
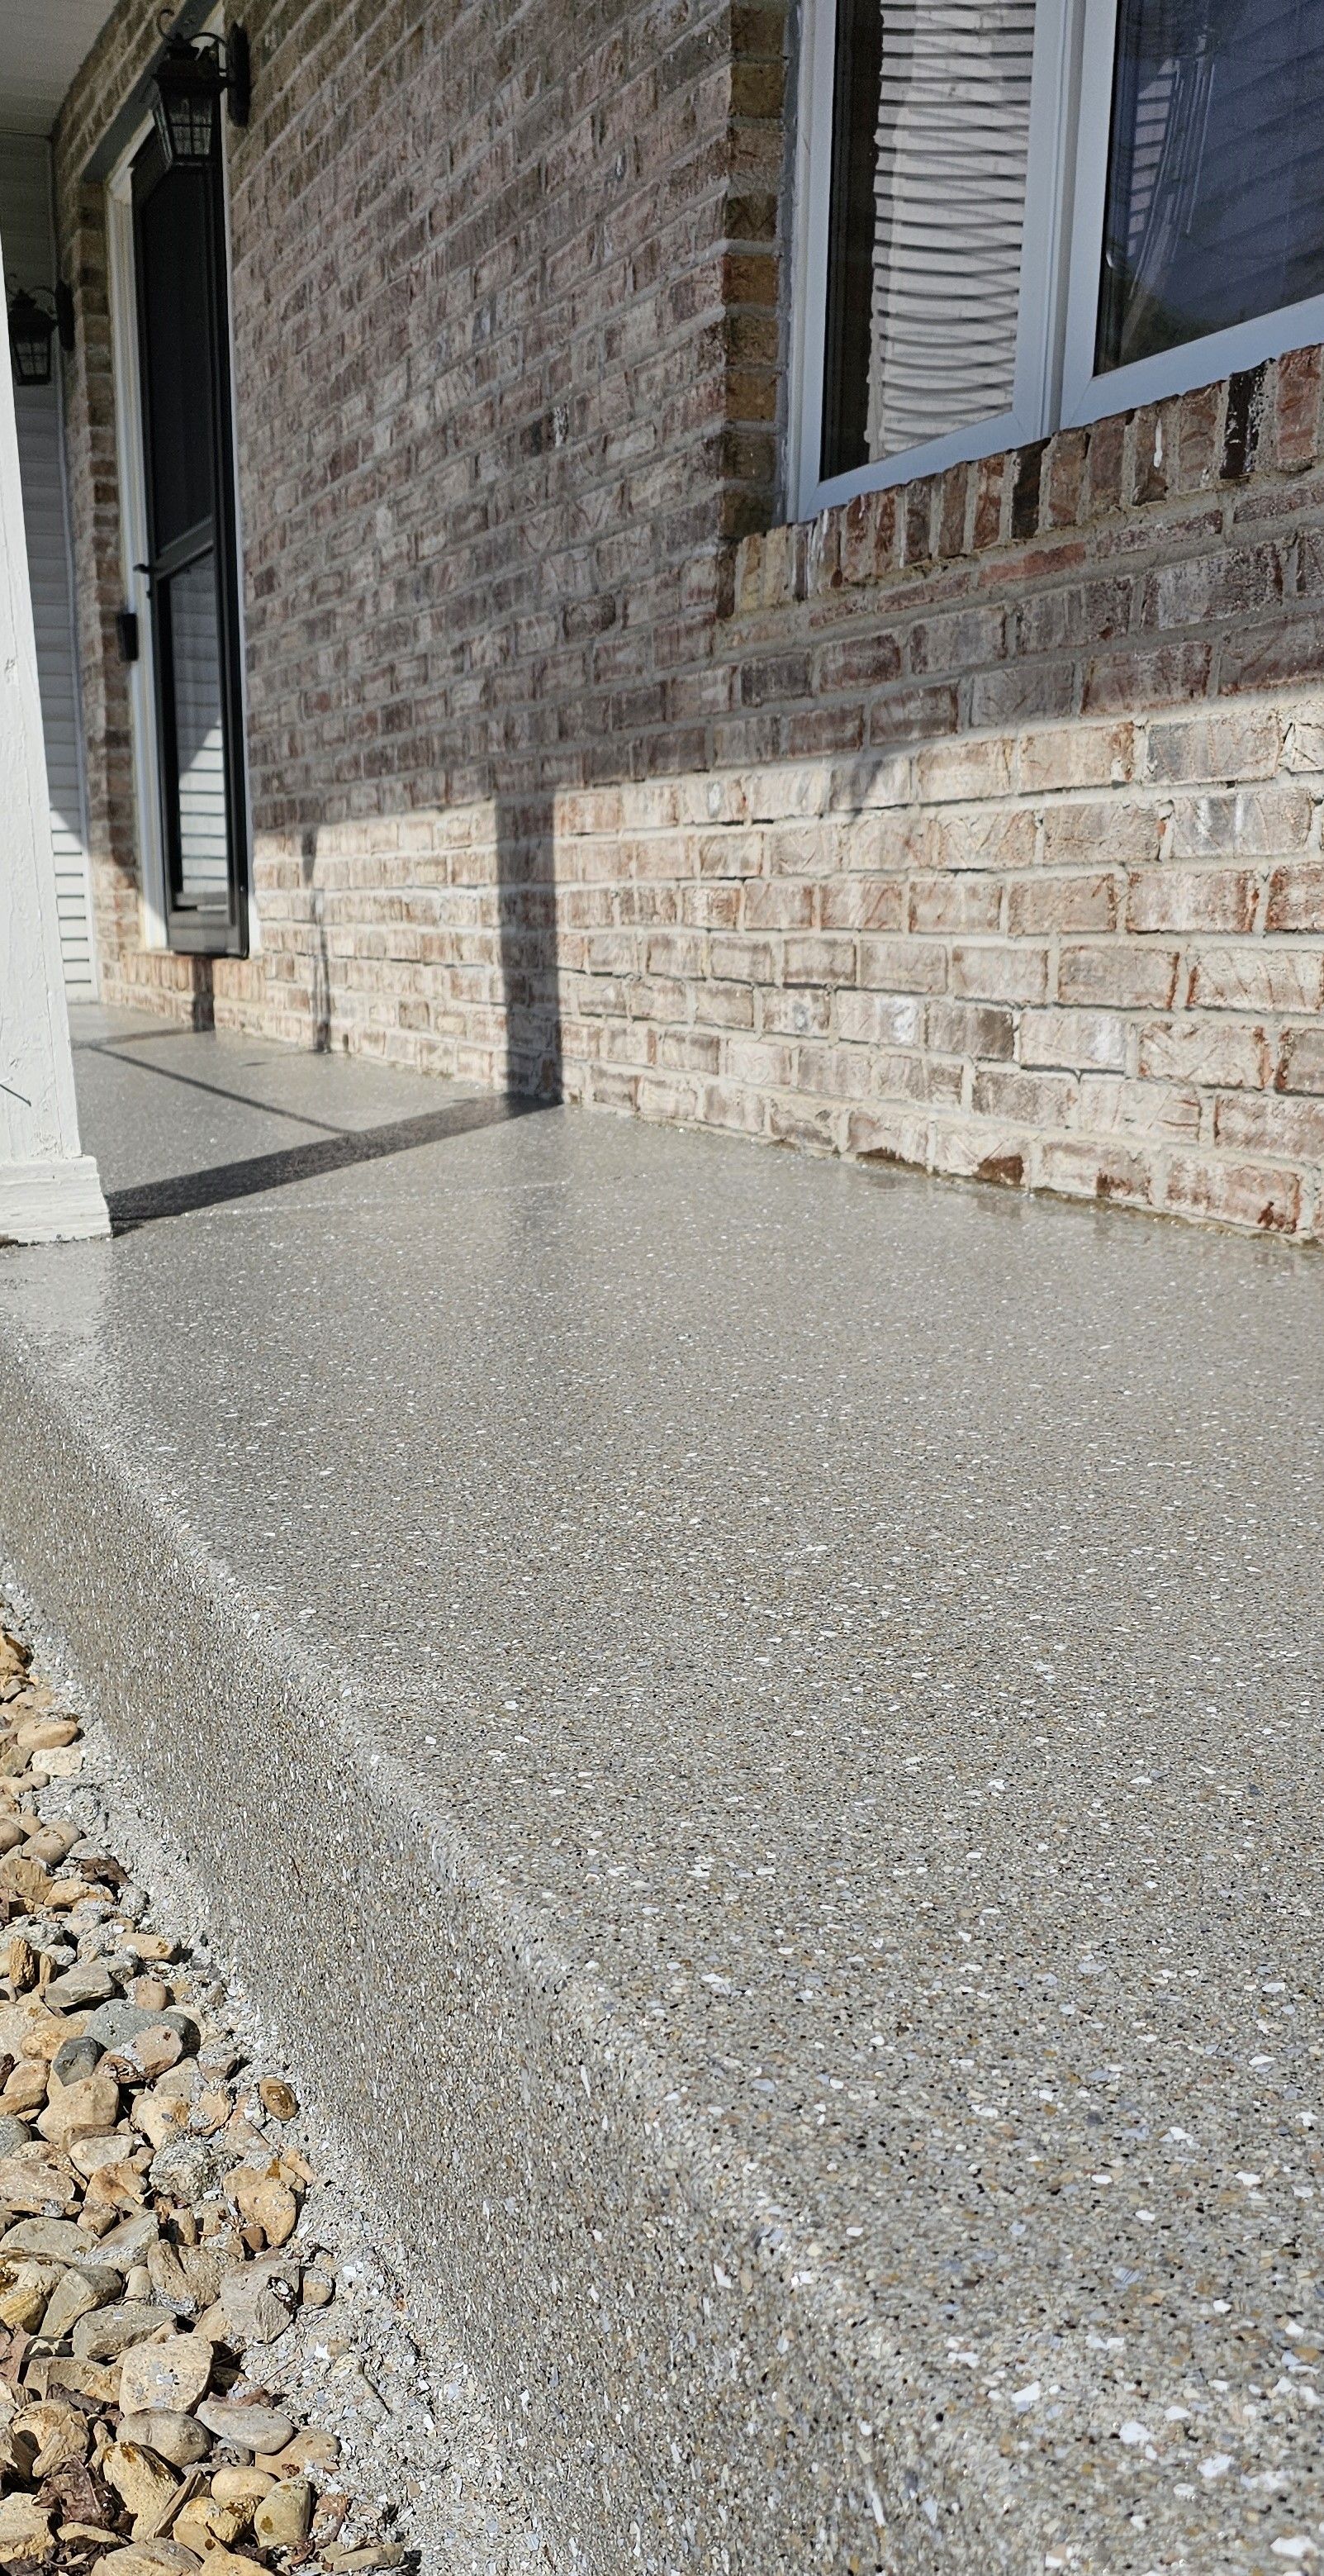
{"x": 1265, "y": 423}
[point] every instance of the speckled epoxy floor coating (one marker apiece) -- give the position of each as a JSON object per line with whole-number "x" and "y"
{"x": 873, "y": 1628}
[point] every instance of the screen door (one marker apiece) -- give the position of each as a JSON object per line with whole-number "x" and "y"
{"x": 192, "y": 569}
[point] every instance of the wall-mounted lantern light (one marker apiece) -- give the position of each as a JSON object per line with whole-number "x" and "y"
{"x": 186, "y": 90}
{"x": 34, "y": 321}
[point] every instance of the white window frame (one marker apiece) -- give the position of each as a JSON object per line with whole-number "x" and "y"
{"x": 1056, "y": 385}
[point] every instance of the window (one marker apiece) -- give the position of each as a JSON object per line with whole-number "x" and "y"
{"x": 1015, "y": 214}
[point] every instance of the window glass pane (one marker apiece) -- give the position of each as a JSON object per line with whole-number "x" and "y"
{"x": 174, "y": 255}
{"x": 930, "y": 144}
{"x": 195, "y": 659}
{"x": 1216, "y": 169}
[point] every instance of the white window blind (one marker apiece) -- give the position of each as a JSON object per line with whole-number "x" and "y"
{"x": 953, "y": 147}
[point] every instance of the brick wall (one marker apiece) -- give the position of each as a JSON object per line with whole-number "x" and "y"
{"x": 975, "y": 825}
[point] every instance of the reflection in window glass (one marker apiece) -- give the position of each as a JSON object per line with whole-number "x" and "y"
{"x": 931, "y": 123}
{"x": 195, "y": 656}
{"x": 1216, "y": 174}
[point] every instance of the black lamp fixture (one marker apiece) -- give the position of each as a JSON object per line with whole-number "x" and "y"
{"x": 186, "y": 90}
{"x": 35, "y": 320}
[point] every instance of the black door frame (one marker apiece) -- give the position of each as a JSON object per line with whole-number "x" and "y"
{"x": 189, "y": 930}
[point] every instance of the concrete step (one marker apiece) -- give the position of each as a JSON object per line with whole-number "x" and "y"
{"x": 759, "y": 1722}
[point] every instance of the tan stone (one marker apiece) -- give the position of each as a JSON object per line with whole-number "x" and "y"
{"x": 26, "y": 2087}
{"x": 148, "y": 2558}
{"x": 240, "y": 2486}
{"x": 149, "y": 1994}
{"x": 83, "y": 2110}
{"x": 59, "y": 2432}
{"x": 76, "y": 2294}
{"x": 204, "y": 2521}
{"x": 174, "y": 2374}
{"x": 25, "y": 2291}
{"x": 175, "y": 2437}
{"x": 25, "y": 2532}
{"x": 265, "y": 2200}
{"x": 308, "y": 2450}
{"x": 281, "y": 2520}
{"x": 31, "y": 2182}
{"x": 145, "y": 2483}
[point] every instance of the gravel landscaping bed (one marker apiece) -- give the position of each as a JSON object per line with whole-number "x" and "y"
{"x": 205, "y": 2352}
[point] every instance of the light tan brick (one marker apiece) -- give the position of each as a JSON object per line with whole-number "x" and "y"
{"x": 1204, "y": 1052}
{"x": 1075, "y": 755}
{"x": 1002, "y": 971}
{"x": 1296, "y": 897}
{"x": 1109, "y": 1105}
{"x": 1244, "y": 1194}
{"x": 1073, "y": 1039}
{"x": 1236, "y": 743}
{"x": 1256, "y": 977}
{"x": 1123, "y": 973}
{"x": 903, "y": 965}
{"x": 880, "y": 1019}
{"x": 822, "y": 960}
{"x": 1191, "y": 899}
{"x": 1086, "y": 1170}
{"x": 1036, "y": 905}
{"x": 1267, "y": 1122}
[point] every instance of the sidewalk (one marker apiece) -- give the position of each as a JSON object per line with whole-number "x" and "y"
{"x": 760, "y": 1722}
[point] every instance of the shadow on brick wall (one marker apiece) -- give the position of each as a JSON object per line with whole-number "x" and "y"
{"x": 320, "y": 997}
{"x": 529, "y": 966}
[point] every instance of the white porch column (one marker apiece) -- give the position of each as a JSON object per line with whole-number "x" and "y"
{"x": 49, "y": 1191}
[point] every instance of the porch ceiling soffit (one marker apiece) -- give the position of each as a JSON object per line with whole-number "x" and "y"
{"x": 43, "y": 43}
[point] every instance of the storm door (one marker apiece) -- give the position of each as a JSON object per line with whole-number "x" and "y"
{"x": 192, "y": 570}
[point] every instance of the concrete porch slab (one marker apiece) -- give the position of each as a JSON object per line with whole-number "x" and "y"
{"x": 762, "y": 1723}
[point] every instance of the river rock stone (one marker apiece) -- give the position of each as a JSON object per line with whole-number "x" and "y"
{"x": 281, "y": 2520}
{"x": 256, "y": 2303}
{"x": 76, "y": 2058}
{"x": 81, "y": 2288}
{"x": 127, "y": 2242}
{"x": 57, "y": 2240}
{"x": 173, "y": 2436}
{"x": 88, "y": 1984}
{"x": 187, "y": 2168}
{"x": 25, "y": 2532}
{"x": 172, "y": 2375}
{"x": 25, "y": 2293}
{"x": 107, "y": 2332}
{"x": 250, "y": 2428}
{"x": 242, "y": 2486}
{"x": 39, "y": 2184}
{"x": 143, "y": 2482}
{"x": 147, "y": 2558}
{"x": 83, "y": 2110}
{"x": 13, "y": 2132}
{"x": 114, "y": 2024}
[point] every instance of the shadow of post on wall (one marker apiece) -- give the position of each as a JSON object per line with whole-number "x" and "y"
{"x": 527, "y": 943}
{"x": 320, "y": 995}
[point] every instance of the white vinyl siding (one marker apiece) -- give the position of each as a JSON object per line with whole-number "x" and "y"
{"x": 25, "y": 230}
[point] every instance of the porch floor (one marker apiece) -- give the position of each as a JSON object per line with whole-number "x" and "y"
{"x": 796, "y": 1692}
